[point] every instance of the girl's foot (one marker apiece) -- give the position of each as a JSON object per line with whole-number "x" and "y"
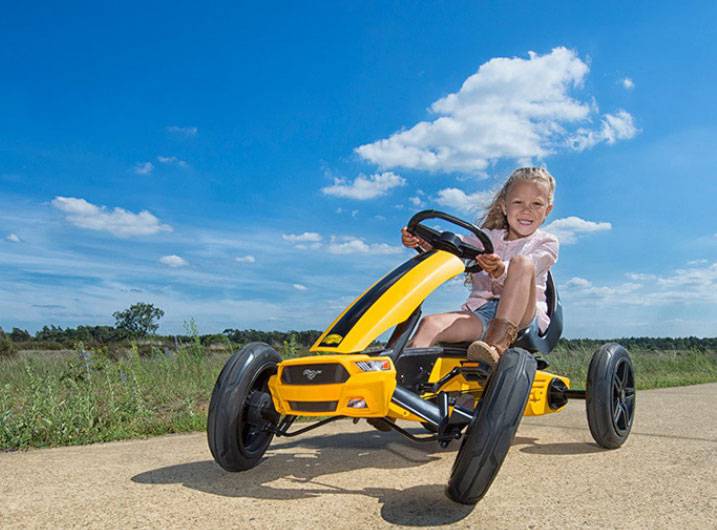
{"x": 498, "y": 337}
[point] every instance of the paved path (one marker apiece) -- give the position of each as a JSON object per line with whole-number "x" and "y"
{"x": 350, "y": 476}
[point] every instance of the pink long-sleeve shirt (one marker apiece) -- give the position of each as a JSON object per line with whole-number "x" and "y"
{"x": 541, "y": 247}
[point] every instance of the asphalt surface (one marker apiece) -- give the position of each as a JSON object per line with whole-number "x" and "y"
{"x": 351, "y": 476}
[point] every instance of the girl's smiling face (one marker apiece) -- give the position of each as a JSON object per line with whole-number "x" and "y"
{"x": 526, "y": 206}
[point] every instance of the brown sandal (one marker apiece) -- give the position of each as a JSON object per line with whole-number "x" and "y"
{"x": 498, "y": 337}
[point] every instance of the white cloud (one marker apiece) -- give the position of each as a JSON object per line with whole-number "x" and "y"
{"x": 363, "y": 187}
{"x": 172, "y": 161}
{"x": 144, "y": 168}
{"x": 118, "y": 221}
{"x": 13, "y": 238}
{"x": 245, "y": 259}
{"x": 464, "y": 202}
{"x": 299, "y": 287}
{"x": 614, "y": 127}
{"x": 568, "y": 229}
{"x": 640, "y": 277}
{"x": 511, "y": 108}
{"x": 682, "y": 286}
{"x": 187, "y": 132}
{"x": 416, "y": 201}
{"x": 627, "y": 83}
{"x": 582, "y": 289}
{"x": 353, "y": 245}
{"x": 312, "y": 246}
{"x": 697, "y": 262}
{"x": 578, "y": 282}
{"x": 297, "y": 238}
{"x": 696, "y": 277}
{"x": 173, "y": 261}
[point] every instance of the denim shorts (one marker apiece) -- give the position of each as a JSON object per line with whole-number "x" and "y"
{"x": 486, "y": 313}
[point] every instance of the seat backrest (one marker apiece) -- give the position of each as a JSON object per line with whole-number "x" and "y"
{"x": 545, "y": 342}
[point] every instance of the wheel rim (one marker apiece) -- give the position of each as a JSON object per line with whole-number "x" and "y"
{"x": 623, "y": 396}
{"x": 253, "y": 436}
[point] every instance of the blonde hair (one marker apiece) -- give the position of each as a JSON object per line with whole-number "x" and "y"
{"x": 494, "y": 217}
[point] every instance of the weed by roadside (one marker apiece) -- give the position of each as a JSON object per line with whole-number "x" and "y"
{"x": 7, "y": 347}
{"x": 89, "y": 397}
{"x": 653, "y": 369}
{"x": 95, "y": 396}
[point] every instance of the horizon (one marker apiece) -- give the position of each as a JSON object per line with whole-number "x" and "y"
{"x": 250, "y": 167}
{"x": 186, "y": 334}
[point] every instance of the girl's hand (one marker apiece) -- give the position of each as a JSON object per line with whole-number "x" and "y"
{"x": 492, "y": 264}
{"x": 411, "y": 241}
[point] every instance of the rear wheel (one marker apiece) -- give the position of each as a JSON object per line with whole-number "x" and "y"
{"x": 241, "y": 411}
{"x": 494, "y": 424}
{"x": 610, "y": 395}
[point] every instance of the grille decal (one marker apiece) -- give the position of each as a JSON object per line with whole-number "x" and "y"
{"x": 314, "y": 374}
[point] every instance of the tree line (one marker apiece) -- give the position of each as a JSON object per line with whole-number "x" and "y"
{"x": 55, "y": 337}
{"x": 644, "y": 343}
{"x": 108, "y": 335}
{"x": 105, "y": 335}
{"x": 140, "y": 321}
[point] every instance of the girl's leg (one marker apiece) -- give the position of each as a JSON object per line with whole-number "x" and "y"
{"x": 517, "y": 301}
{"x": 457, "y": 326}
{"x": 516, "y": 310}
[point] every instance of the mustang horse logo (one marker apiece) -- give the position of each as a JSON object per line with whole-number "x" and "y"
{"x": 311, "y": 374}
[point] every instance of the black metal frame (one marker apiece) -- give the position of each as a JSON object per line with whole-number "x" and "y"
{"x": 286, "y": 422}
{"x": 392, "y": 425}
{"x": 436, "y": 416}
{"x": 479, "y": 372}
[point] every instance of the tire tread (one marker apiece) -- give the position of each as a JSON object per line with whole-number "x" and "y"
{"x": 493, "y": 428}
{"x": 227, "y": 402}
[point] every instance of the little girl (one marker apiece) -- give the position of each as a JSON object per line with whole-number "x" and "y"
{"x": 509, "y": 294}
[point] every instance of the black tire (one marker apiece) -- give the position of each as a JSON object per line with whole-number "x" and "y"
{"x": 235, "y": 431}
{"x": 491, "y": 432}
{"x": 610, "y": 395}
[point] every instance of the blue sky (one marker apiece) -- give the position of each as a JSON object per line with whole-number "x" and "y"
{"x": 251, "y": 167}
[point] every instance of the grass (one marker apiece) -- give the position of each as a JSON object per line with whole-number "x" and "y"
{"x": 653, "y": 369}
{"x": 92, "y": 398}
{"x": 81, "y": 398}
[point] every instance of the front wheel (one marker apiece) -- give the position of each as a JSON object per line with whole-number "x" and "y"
{"x": 241, "y": 411}
{"x": 610, "y": 395}
{"x": 493, "y": 427}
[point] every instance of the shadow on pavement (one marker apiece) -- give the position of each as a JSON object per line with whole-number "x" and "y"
{"x": 570, "y": 448}
{"x": 292, "y": 470}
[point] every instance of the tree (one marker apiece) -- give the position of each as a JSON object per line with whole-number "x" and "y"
{"x": 7, "y": 348}
{"x": 20, "y": 335}
{"x": 139, "y": 319}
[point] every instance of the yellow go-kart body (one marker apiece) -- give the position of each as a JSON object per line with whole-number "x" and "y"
{"x": 368, "y": 394}
{"x": 342, "y": 380}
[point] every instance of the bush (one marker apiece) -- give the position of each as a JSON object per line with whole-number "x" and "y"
{"x": 7, "y": 348}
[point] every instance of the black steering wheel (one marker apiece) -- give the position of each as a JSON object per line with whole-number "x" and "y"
{"x": 449, "y": 241}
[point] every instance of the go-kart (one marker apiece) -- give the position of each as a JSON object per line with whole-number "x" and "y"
{"x": 258, "y": 395}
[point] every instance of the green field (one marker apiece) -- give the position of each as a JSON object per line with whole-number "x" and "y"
{"x": 71, "y": 398}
